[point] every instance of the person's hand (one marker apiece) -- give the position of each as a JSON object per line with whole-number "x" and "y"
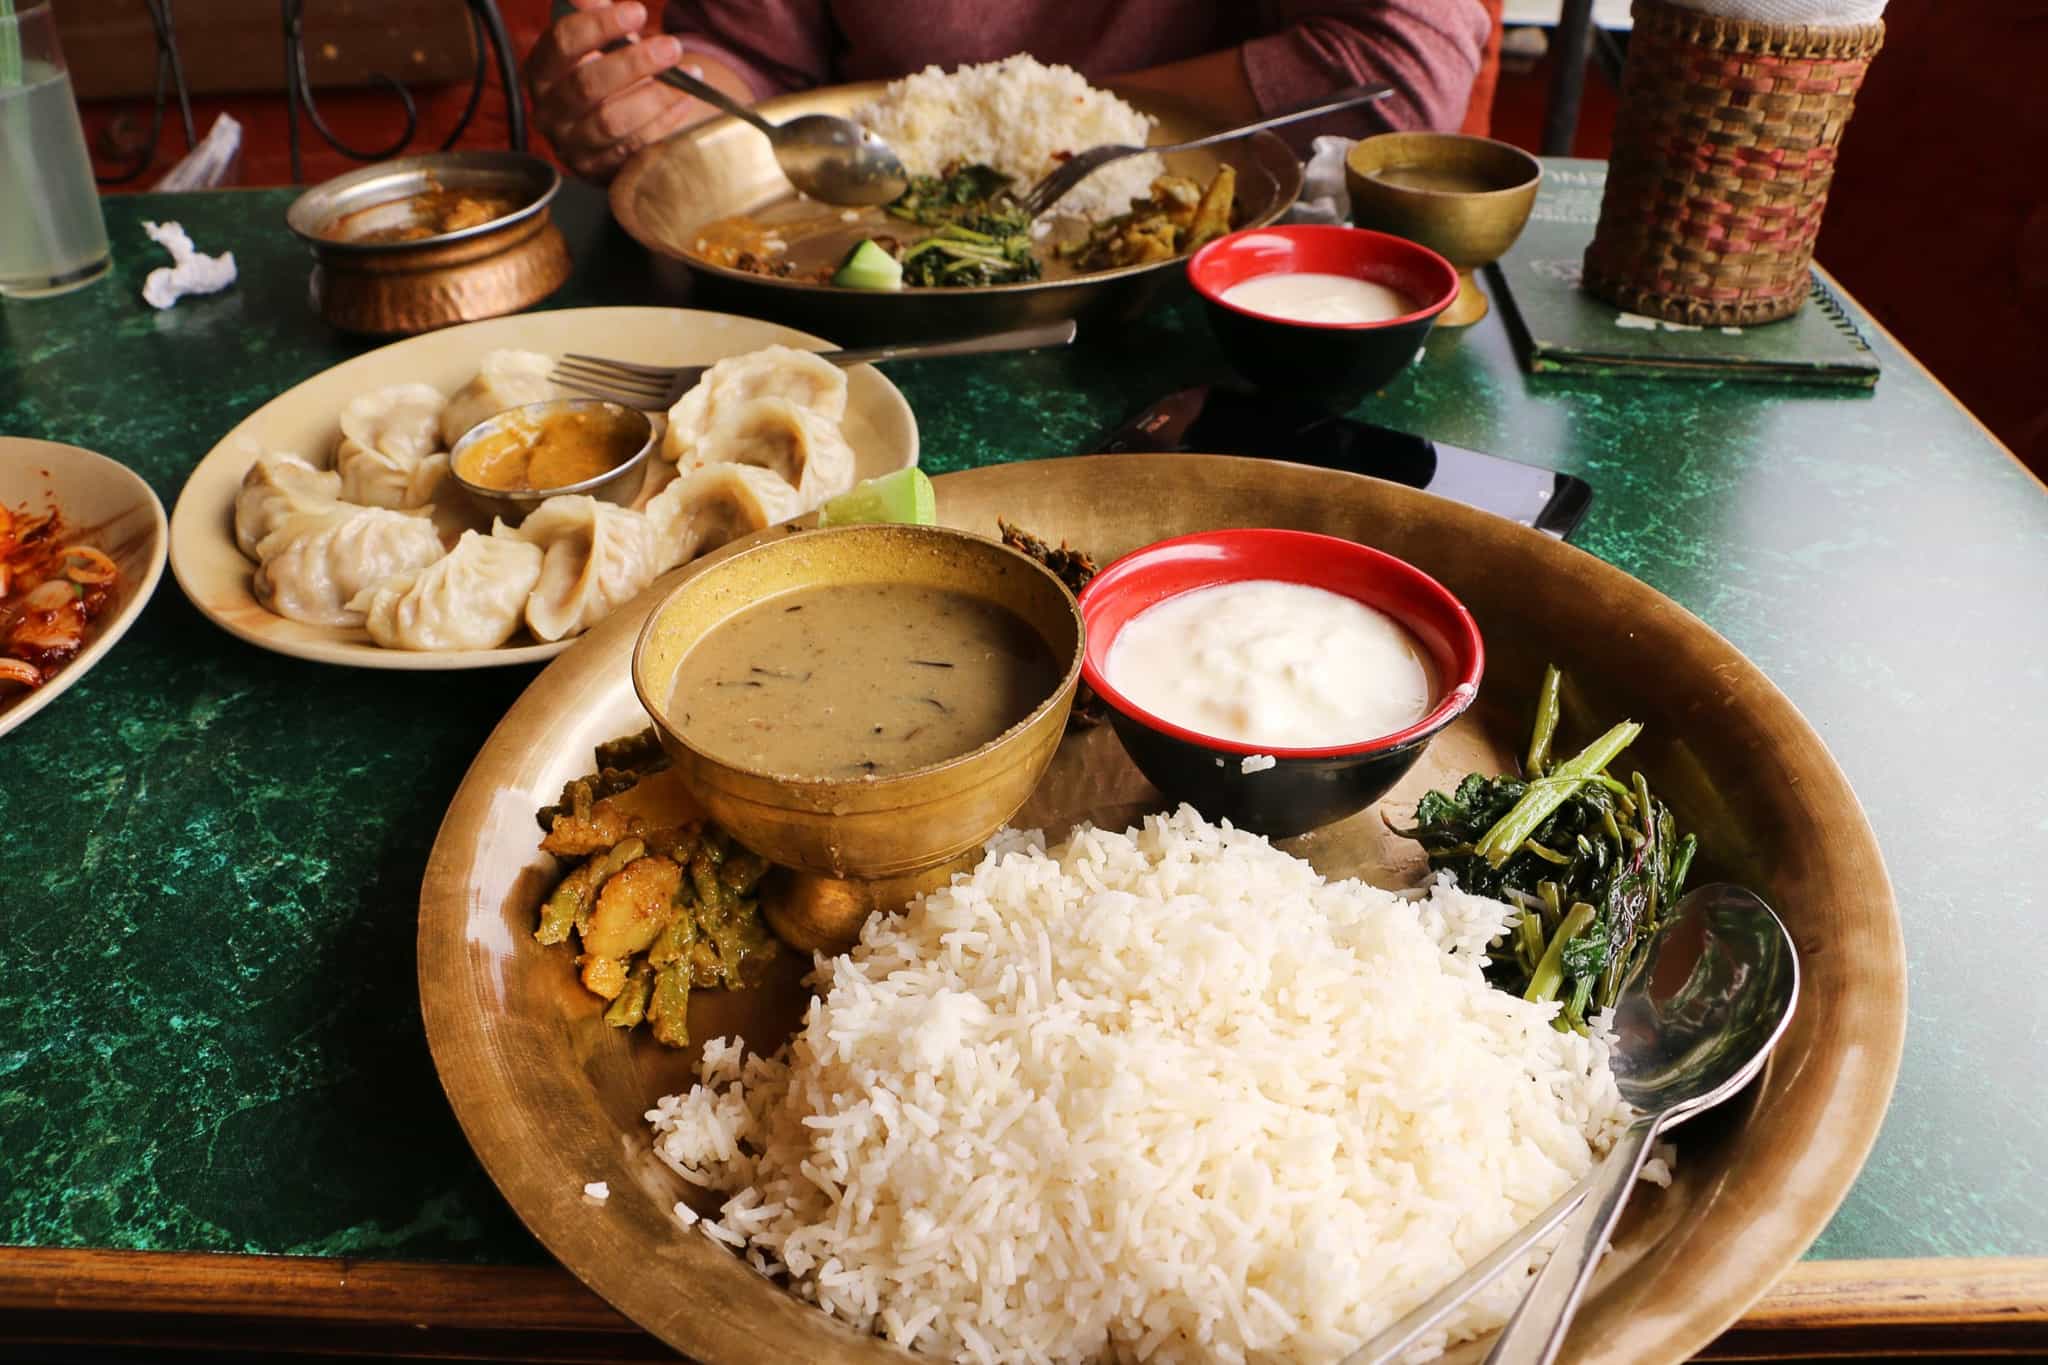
{"x": 598, "y": 108}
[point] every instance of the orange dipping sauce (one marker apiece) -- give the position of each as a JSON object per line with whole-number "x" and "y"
{"x": 564, "y": 448}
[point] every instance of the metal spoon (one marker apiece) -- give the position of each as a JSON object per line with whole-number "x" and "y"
{"x": 831, "y": 159}
{"x": 1081, "y": 165}
{"x": 1694, "y": 1026}
{"x": 1691, "y": 1028}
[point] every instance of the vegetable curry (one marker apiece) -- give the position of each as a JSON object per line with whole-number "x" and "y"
{"x": 659, "y": 907}
{"x": 965, "y": 228}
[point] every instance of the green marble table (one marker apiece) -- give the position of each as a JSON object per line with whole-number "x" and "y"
{"x": 209, "y": 1032}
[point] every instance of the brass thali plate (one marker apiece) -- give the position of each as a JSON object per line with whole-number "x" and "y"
{"x": 551, "y": 1098}
{"x": 722, "y": 167}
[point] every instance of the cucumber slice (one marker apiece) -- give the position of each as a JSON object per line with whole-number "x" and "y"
{"x": 905, "y": 496}
{"x": 867, "y": 266}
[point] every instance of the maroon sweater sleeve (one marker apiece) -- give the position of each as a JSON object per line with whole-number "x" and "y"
{"x": 1428, "y": 50}
{"x": 777, "y": 45}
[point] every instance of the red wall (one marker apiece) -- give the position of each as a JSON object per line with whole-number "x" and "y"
{"x": 1938, "y": 220}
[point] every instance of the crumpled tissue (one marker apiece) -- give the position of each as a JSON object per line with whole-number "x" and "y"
{"x": 1819, "y": 13}
{"x": 190, "y": 271}
{"x": 1324, "y": 196}
{"x": 208, "y": 165}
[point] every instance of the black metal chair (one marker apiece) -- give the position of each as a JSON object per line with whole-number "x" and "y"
{"x": 492, "y": 43}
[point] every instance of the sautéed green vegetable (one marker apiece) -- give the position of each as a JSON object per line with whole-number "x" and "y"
{"x": 1593, "y": 863}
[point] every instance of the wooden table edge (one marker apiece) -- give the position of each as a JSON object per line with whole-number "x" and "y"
{"x": 314, "y": 1305}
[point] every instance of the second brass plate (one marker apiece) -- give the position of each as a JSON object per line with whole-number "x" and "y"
{"x": 670, "y": 190}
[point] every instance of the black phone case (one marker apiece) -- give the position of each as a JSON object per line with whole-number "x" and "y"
{"x": 1227, "y": 421}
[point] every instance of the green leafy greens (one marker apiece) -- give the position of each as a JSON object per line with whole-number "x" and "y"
{"x": 962, "y": 192}
{"x": 983, "y": 236}
{"x": 1592, "y": 863}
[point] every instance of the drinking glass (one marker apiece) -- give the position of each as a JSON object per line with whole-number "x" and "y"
{"x": 52, "y": 237}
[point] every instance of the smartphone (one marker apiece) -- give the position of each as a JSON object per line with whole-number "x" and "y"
{"x": 1226, "y": 421}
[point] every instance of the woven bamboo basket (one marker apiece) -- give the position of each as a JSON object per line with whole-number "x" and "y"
{"x": 1724, "y": 146}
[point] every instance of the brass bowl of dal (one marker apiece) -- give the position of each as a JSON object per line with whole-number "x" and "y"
{"x": 1466, "y": 198}
{"x": 854, "y": 842}
{"x": 669, "y": 192}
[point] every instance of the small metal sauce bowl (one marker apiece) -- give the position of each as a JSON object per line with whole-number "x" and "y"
{"x": 620, "y": 484}
{"x": 399, "y": 288}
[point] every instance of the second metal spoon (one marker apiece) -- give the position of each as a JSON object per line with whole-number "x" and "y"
{"x": 1723, "y": 958}
{"x": 831, "y": 159}
{"x": 1081, "y": 165}
{"x": 1692, "y": 1026}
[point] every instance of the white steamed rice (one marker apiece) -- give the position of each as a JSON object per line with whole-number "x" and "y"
{"x": 1160, "y": 1095}
{"x": 1019, "y": 116}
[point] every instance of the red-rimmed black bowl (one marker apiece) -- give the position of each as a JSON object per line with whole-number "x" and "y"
{"x": 1304, "y": 789}
{"x": 1334, "y": 363}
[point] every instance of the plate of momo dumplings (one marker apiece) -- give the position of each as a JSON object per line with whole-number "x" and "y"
{"x": 327, "y": 524}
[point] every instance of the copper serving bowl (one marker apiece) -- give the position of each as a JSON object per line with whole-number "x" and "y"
{"x": 397, "y": 288}
{"x": 1465, "y": 198}
{"x": 856, "y": 845}
{"x": 668, "y": 192}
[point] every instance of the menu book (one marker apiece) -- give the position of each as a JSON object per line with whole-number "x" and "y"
{"x": 1559, "y": 328}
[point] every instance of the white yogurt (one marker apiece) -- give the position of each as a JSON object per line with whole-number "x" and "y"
{"x": 1307, "y": 296}
{"x": 1279, "y": 665}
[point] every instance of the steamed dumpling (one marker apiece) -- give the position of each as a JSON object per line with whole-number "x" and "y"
{"x": 597, "y": 555}
{"x": 470, "y": 598}
{"x": 390, "y": 450}
{"x": 506, "y": 380}
{"x": 816, "y": 385}
{"x": 275, "y": 488}
{"x": 373, "y": 478}
{"x": 775, "y": 434}
{"x": 315, "y": 563}
{"x": 717, "y": 504}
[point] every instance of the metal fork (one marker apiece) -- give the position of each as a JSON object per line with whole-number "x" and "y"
{"x": 659, "y": 386}
{"x": 1081, "y": 165}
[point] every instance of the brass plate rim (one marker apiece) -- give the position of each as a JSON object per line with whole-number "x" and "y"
{"x": 1834, "y": 1073}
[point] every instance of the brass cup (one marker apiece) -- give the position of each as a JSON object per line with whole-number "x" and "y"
{"x": 1472, "y": 215}
{"x": 854, "y": 846}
